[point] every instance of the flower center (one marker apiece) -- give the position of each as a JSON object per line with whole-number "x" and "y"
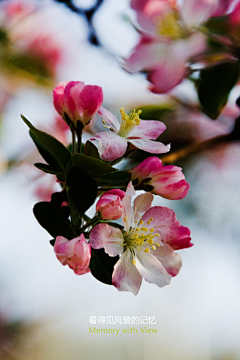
{"x": 167, "y": 25}
{"x": 128, "y": 122}
{"x": 141, "y": 238}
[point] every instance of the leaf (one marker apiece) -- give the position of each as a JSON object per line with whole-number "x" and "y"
{"x": 53, "y": 152}
{"x": 93, "y": 167}
{"x": 214, "y": 86}
{"x": 116, "y": 178}
{"x": 91, "y": 150}
{"x": 155, "y": 112}
{"x": 82, "y": 192}
{"x": 101, "y": 265}
{"x": 48, "y": 169}
{"x": 52, "y": 219}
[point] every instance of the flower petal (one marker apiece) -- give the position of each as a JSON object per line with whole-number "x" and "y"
{"x": 111, "y": 146}
{"x": 164, "y": 222}
{"x": 125, "y": 275}
{"x": 151, "y": 146}
{"x": 148, "y": 128}
{"x": 183, "y": 239}
{"x": 108, "y": 237}
{"x": 109, "y": 118}
{"x": 151, "y": 269}
{"x": 171, "y": 260}
{"x": 141, "y": 204}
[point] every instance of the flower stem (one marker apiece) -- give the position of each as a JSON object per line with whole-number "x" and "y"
{"x": 73, "y": 140}
{"x": 79, "y": 135}
{"x": 93, "y": 221}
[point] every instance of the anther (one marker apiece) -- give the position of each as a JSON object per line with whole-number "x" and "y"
{"x": 147, "y": 250}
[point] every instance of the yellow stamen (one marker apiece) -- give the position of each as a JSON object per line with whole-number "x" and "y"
{"x": 157, "y": 244}
{"x": 157, "y": 234}
{"x": 141, "y": 222}
{"x": 152, "y": 229}
{"x": 154, "y": 247}
{"x": 151, "y": 219}
{"x": 134, "y": 262}
{"x": 125, "y": 219}
{"x": 147, "y": 250}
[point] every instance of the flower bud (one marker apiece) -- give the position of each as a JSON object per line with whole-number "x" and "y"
{"x": 166, "y": 181}
{"x": 75, "y": 101}
{"x": 75, "y": 253}
{"x": 110, "y": 204}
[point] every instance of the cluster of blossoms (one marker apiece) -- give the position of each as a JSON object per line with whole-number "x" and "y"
{"x": 175, "y": 35}
{"x": 27, "y": 48}
{"x": 145, "y": 244}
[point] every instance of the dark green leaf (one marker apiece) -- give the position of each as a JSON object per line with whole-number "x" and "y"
{"x": 214, "y": 86}
{"x": 91, "y": 150}
{"x": 101, "y": 265}
{"x": 50, "y": 148}
{"x": 52, "y": 219}
{"x": 82, "y": 192}
{"x": 116, "y": 178}
{"x": 48, "y": 169}
{"x": 93, "y": 167}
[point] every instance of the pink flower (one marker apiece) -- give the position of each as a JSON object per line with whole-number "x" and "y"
{"x": 170, "y": 39}
{"x": 75, "y": 253}
{"x": 113, "y": 144}
{"x": 110, "y": 204}
{"x": 166, "y": 181}
{"x": 75, "y": 101}
{"x": 144, "y": 244}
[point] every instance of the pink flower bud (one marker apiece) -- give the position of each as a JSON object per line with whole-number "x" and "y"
{"x": 110, "y": 204}
{"x": 166, "y": 181}
{"x": 76, "y": 101}
{"x": 75, "y": 253}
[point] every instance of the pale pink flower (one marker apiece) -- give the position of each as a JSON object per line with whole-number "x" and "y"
{"x": 110, "y": 204}
{"x": 75, "y": 253}
{"x": 75, "y": 101}
{"x": 144, "y": 245}
{"x": 166, "y": 181}
{"x": 113, "y": 144}
{"x": 170, "y": 38}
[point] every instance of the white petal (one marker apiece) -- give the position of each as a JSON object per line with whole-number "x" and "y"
{"x": 125, "y": 275}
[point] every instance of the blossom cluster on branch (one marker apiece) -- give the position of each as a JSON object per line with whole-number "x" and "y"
{"x": 144, "y": 243}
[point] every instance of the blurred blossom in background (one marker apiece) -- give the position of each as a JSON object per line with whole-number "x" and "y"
{"x": 44, "y": 307}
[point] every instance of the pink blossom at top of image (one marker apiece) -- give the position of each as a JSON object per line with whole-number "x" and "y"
{"x": 170, "y": 38}
{"x": 146, "y": 244}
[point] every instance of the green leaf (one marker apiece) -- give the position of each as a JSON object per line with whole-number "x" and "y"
{"x": 53, "y": 152}
{"x": 82, "y": 192}
{"x": 91, "y": 150}
{"x": 93, "y": 167}
{"x": 214, "y": 86}
{"x": 101, "y": 265}
{"x": 49, "y": 169}
{"x": 52, "y": 219}
{"x": 155, "y": 112}
{"x": 116, "y": 178}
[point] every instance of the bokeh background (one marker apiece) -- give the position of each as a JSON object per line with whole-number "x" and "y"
{"x": 44, "y": 307}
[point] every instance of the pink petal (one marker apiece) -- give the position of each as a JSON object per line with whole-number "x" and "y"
{"x": 196, "y": 12}
{"x": 151, "y": 269}
{"x": 110, "y": 118}
{"x": 144, "y": 169}
{"x": 148, "y": 128}
{"x": 164, "y": 222}
{"x": 111, "y": 146}
{"x": 125, "y": 275}
{"x": 171, "y": 261}
{"x": 58, "y": 97}
{"x": 127, "y": 216}
{"x": 71, "y": 95}
{"x": 108, "y": 237}
{"x": 175, "y": 191}
{"x": 151, "y": 146}
{"x": 141, "y": 204}
{"x": 89, "y": 101}
{"x": 182, "y": 241}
